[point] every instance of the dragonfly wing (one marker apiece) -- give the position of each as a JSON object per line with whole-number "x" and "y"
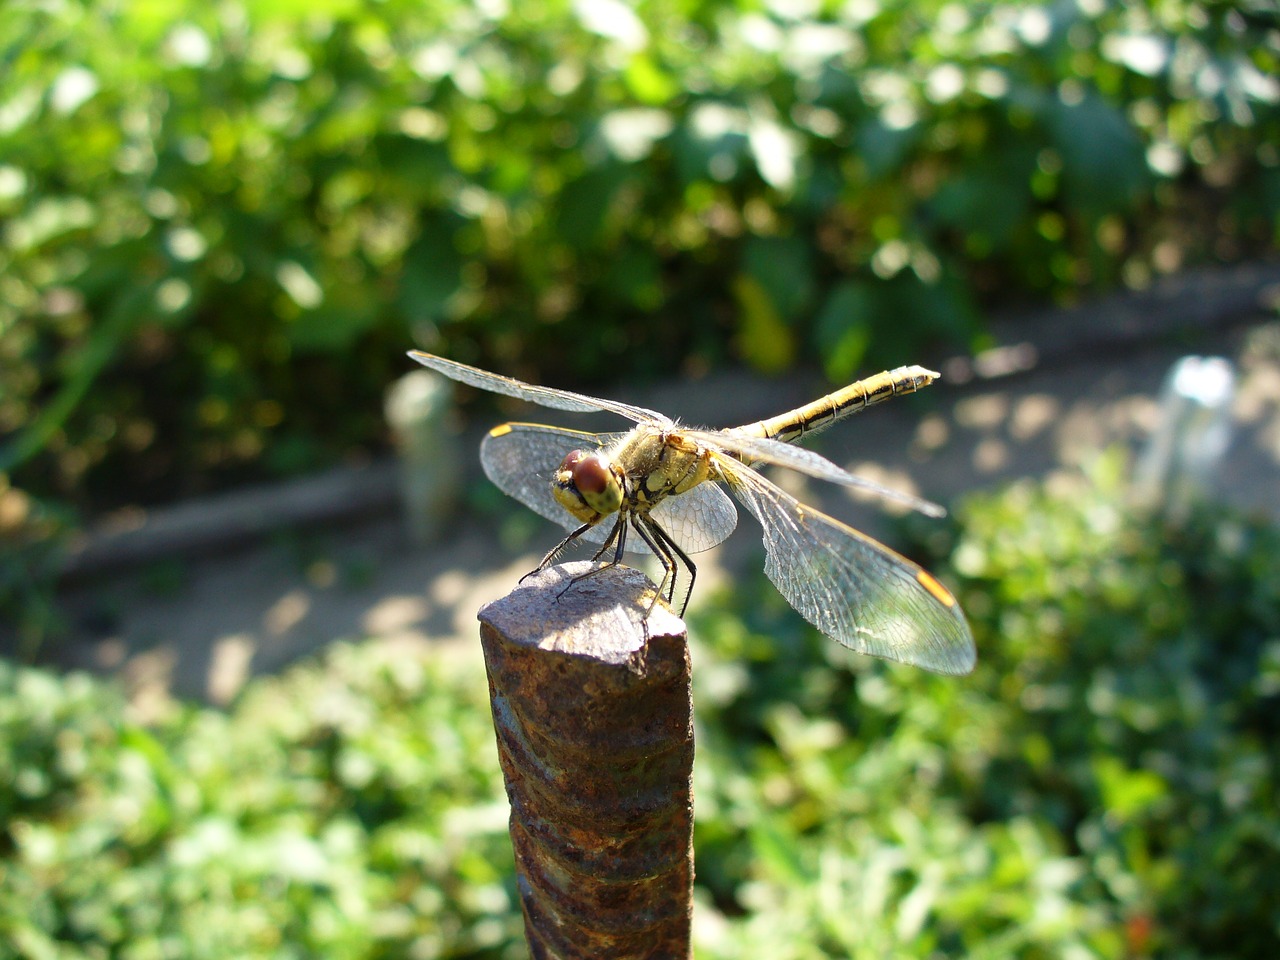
{"x": 756, "y": 450}
{"x": 522, "y": 459}
{"x": 697, "y": 519}
{"x": 546, "y": 396}
{"x": 852, "y": 588}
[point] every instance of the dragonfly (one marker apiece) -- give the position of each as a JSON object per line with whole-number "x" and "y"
{"x": 664, "y": 482}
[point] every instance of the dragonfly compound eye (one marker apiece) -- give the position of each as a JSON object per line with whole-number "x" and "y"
{"x": 586, "y": 486}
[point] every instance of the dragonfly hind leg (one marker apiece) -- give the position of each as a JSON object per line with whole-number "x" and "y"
{"x": 672, "y": 558}
{"x": 618, "y": 536}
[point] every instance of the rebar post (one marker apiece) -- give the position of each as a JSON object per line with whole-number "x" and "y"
{"x": 594, "y": 718}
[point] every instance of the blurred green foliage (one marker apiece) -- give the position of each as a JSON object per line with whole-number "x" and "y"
{"x": 1103, "y": 785}
{"x": 33, "y": 539}
{"x": 223, "y": 223}
{"x": 350, "y": 810}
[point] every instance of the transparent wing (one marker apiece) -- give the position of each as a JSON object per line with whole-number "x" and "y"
{"x": 697, "y": 519}
{"x": 853, "y": 589}
{"x": 521, "y": 459}
{"x": 546, "y": 396}
{"x": 756, "y": 450}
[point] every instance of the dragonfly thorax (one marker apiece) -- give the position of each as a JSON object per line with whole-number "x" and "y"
{"x": 588, "y": 485}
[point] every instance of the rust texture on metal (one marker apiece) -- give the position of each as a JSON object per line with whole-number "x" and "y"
{"x": 594, "y": 720}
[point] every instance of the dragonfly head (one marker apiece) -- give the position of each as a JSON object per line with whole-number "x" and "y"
{"x": 588, "y": 485}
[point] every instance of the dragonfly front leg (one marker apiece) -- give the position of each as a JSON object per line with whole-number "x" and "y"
{"x": 558, "y": 549}
{"x": 618, "y": 536}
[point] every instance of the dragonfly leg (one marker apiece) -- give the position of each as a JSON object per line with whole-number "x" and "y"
{"x": 618, "y": 535}
{"x": 558, "y": 549}
{"x": 672, "y": 554}
{"x": 672, "y": 558}
{"x": 659, "y": 550}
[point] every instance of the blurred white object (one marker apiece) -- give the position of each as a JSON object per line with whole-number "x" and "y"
{"x": 419, "y": 408}
{"x": 1183, "y": 457}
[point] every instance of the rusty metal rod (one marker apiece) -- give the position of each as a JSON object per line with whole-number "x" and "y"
{"x": 594, "y": 719}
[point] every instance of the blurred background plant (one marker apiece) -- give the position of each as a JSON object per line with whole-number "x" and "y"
{"x": 1104, "y": 785}
{"x": 224, "y": 223}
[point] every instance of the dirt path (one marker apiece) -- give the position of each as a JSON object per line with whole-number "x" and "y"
{"x": 200, "y": 627}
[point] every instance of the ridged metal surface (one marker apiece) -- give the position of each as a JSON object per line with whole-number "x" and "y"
{"x": 594, "y": 724}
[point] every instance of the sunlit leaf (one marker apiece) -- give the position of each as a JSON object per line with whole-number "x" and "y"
{"x": 783, "y": 267}
{"x": 763, "y": 340}
{"x": 843, "y": 328}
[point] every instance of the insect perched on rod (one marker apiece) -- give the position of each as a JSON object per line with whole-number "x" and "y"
{"x": 662, "y": 480}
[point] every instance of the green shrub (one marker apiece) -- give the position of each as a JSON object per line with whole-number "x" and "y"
{"x": 353, "y": 809}
{"x": 1103, "y": 785}
{"x": 224, "y": 223}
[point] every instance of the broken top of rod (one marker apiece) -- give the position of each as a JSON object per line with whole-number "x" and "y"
{"x": 585, "y": 609}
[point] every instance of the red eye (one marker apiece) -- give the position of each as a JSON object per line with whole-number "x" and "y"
{"x": 590, "y": 473}
{"x": 587, "y": 486}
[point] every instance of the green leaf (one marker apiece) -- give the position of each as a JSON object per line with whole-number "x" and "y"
{"x": 648, "y": 82}
{"x": 1128, "y": 793}
{"x": 635, "y": 276}
{"x": 585, "y": 202}
{"x": 883, "y": 149}
{"x": 432, "y": 272}
{"x": 1103, "y": 162}
{"x": 842, "y": 330}
{"x": 783, "y": 267}
{"x": 346, "y": 314}
{"x": 763, "y": 339}
{"x": 989, "y": 200}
